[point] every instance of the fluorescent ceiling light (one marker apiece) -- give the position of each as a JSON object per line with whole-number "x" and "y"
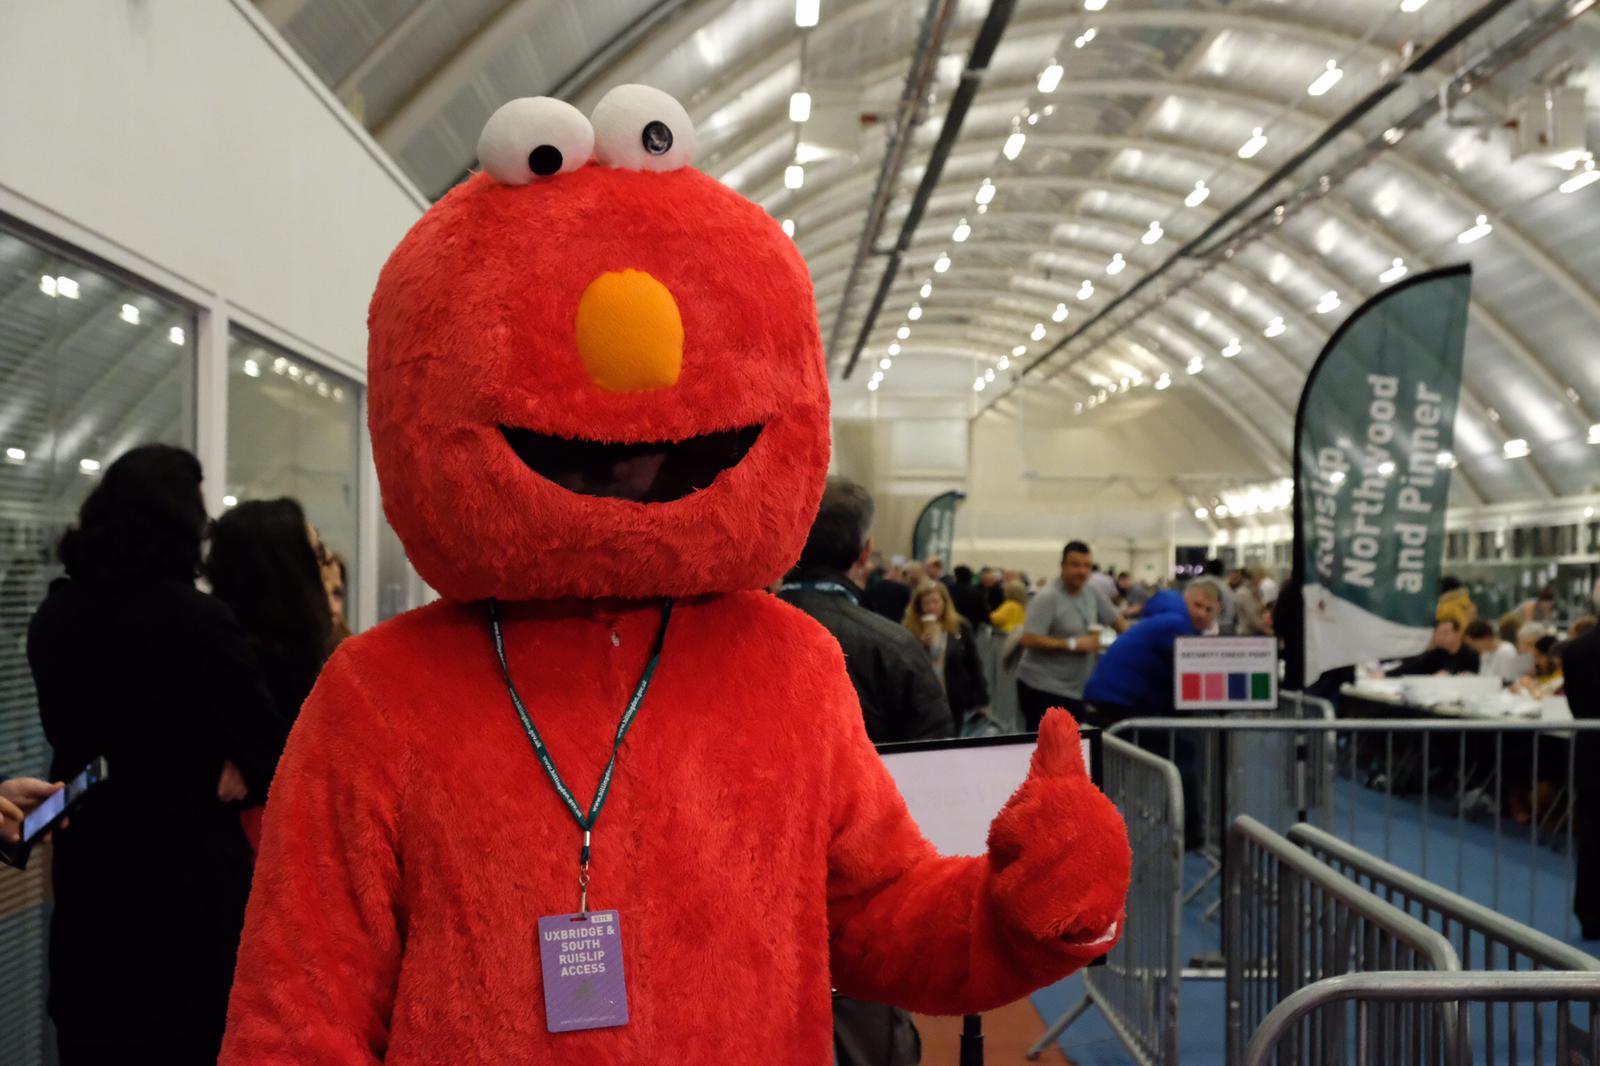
{"x": 1086, "y": 290}
{"x": 1201, "y": 513}
{"x": 1153, "y": 234}
{"x": 1582, "y": 179}
{"x": 1476, "y": 232}
{"x": 1033, "y": 119}
{"x": 130, "y": 314}
{"x": 1004, "y": 363}
{"x": 68, "y": 288}
{"x": 1516, "y": 448}
{"x": 1232, "y": 348}
{"x": 1059, "y": 314}
{"x": 1222, "y": 510}
{"x": 47, "y": 285}
{"x": 988, "y": 375}
{"x": 1196, "y": 365}
{"x": 1050, "y": 78}
{"x": 904, "y": 333}
{"x": 799, "y": 107}
{"x": 1326, "y": 80}
{"x": 1594, "y": 433}
{"x": 1094, "y": 5}
{"x": 806, "y": 12}
{"x": 885, "y": 363}
{"x": 941, "y": 264}
{"x": 176, "y": 335}
{"x": 788, "y": 227}
{"x": 230, "y": 501}
{"x": 1163, "y": 382}
{"x": 977, "y": 386}
{"x": 961, "y": 232}
{"x": 1038, "y": 331}
{"x": 1251, "y": 148}
{"x": 16, "y": 455}
{"x": 1409, "y": 6}
{"x": 985, "y": 192}
{"x": 89, "y": 466}
{"x": 872, "y": 386}
{"x": 914, "y": 313}
{"x": 1330, "y": 302}
{"x": 926, "y": 290}
{"x": 1394, "y": 273}
{"x": 1013, "y": 145}
{"x": 1020, "y": 350}
{"x": 794, "y": 176}
{"x": 1275, "y": 328}
{"x": 1393, "y": 134}
{"x": 1115, "y": 266}
{"x": 252, "y": 369}
{"x": 1198, "y": 197}
{"x": 894, "y": 348}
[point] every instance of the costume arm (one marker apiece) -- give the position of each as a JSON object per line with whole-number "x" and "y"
{"x": 322, "y": 940}
{"x": 948, "y": 935}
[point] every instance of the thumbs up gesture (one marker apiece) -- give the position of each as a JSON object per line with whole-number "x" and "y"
{"x": 1059, "y": 849}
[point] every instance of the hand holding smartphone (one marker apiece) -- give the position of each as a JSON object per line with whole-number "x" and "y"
{"x": 48, "y": 814}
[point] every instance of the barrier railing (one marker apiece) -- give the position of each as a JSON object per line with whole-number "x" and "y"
{"x": 1137, "y": 986}
{"x": 1292, "y": 921}
{"x": 1482, "y": 807}
{"x": 1370, "y": 1010}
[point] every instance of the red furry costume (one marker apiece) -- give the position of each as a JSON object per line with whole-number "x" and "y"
{"x": 753, "y": 843}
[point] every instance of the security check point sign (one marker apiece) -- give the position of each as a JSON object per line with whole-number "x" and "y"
{"x": 1225, "y": 673}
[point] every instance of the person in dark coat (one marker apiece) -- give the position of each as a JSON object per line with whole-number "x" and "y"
{"x": 900, "y": 700}
{"x": 1580, "y": 664}
{"x": 135, "y": 664}
{"x": 264, "y": 563}
{"x": 889, "y": 595}
{"x": 971, "y": 600}
{"x": 951, "y": 646}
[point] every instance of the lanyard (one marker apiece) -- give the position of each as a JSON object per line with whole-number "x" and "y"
{"x": 831, "y": 587}
{"x": 585, "y": 822}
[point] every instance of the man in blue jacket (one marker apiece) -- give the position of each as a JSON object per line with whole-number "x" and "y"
{"x": 1134, "y": 678}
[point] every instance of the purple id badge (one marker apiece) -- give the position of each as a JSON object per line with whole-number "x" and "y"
{"x": 581, "y": 956}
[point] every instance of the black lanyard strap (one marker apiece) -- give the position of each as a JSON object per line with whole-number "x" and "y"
{"x": 585, "y": 822}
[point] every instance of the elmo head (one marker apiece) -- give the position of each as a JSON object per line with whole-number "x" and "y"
{"x": 594, "y": 371}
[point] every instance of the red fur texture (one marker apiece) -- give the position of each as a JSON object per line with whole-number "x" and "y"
{"x": 472, "y": 328}
{"x": 753, "y": 843}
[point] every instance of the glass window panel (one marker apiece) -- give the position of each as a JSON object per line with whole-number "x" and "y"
{"x": 293, "y": 430}
{"x": 91, "y": 364}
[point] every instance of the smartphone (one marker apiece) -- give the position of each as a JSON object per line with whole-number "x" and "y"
{"x": 48, "y": 814}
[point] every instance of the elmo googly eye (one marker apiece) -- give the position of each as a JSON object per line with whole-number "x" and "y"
{"x": 534, "y": 137}
{"x": 640, "y": 128}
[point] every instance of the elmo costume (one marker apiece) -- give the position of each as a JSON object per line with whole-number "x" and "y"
{"x": 599, "y": 410}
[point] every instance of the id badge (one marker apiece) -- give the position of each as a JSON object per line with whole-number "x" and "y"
{"x": 581, "y": 956}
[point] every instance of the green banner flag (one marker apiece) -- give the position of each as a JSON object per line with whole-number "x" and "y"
{"x": 1373, "y": 445}
{"x": 935, "y": 532}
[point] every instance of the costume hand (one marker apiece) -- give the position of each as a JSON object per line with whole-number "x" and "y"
{"x": 18, "y": 796}
{"x": 230, "y": 786}
{"x": 1059, "y": 848}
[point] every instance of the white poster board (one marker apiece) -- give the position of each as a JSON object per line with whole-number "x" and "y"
{"x": 954, "y": 788}
{"x": 1225, "y": 673}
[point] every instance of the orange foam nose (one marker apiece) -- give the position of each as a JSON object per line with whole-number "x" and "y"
{"x": 629, "y": 332}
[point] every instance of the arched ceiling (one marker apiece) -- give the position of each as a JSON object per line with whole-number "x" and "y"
{"x": 1154, "y": 96}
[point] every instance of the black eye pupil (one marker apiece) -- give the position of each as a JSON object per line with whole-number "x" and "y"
{"x": 545, "y": 160}
{"x": 656, "y": 138}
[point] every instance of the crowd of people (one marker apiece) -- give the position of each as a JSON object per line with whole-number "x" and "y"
{"x": 189, "y": 696}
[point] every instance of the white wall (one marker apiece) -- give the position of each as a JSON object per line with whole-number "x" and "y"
{"x": 185, "y": 133}
{"x": 184, "y": 142}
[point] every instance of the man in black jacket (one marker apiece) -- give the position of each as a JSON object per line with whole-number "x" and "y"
{"x": 972, "y": 602}
{"x": 1580, "y": 666}
{"x": 1448, "y": 654}
{"x": 901, "y": 698}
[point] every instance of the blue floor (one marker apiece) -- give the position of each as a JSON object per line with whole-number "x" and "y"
{"x": 1529, "y": 884}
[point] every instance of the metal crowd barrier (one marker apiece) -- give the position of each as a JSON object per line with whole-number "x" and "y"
{"x": 1292, "y": 921}
{"x": 1137, "y": 987}
{"x": 1374, "y": 1005}
{"x": 1456, "y": 800}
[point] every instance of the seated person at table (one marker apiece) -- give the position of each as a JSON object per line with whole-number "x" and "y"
{"x": 1546, "y": 678}
{"x": 1447, "y": 654}
{"x": 1496, "y": 658}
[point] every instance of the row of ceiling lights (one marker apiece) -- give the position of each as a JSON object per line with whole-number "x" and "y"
{"x": 17, "y": 456}
{"x": 63, "y": 287}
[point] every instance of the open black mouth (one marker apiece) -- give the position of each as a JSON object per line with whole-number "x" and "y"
{"x": 655, "y": 472}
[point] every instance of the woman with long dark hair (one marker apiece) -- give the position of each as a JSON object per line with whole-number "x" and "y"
{"x": 265, "y": 564}
{"x": 134, "y": 664}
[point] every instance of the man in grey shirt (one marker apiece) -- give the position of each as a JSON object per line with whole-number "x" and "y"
{"x": 1061, "y": 638}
